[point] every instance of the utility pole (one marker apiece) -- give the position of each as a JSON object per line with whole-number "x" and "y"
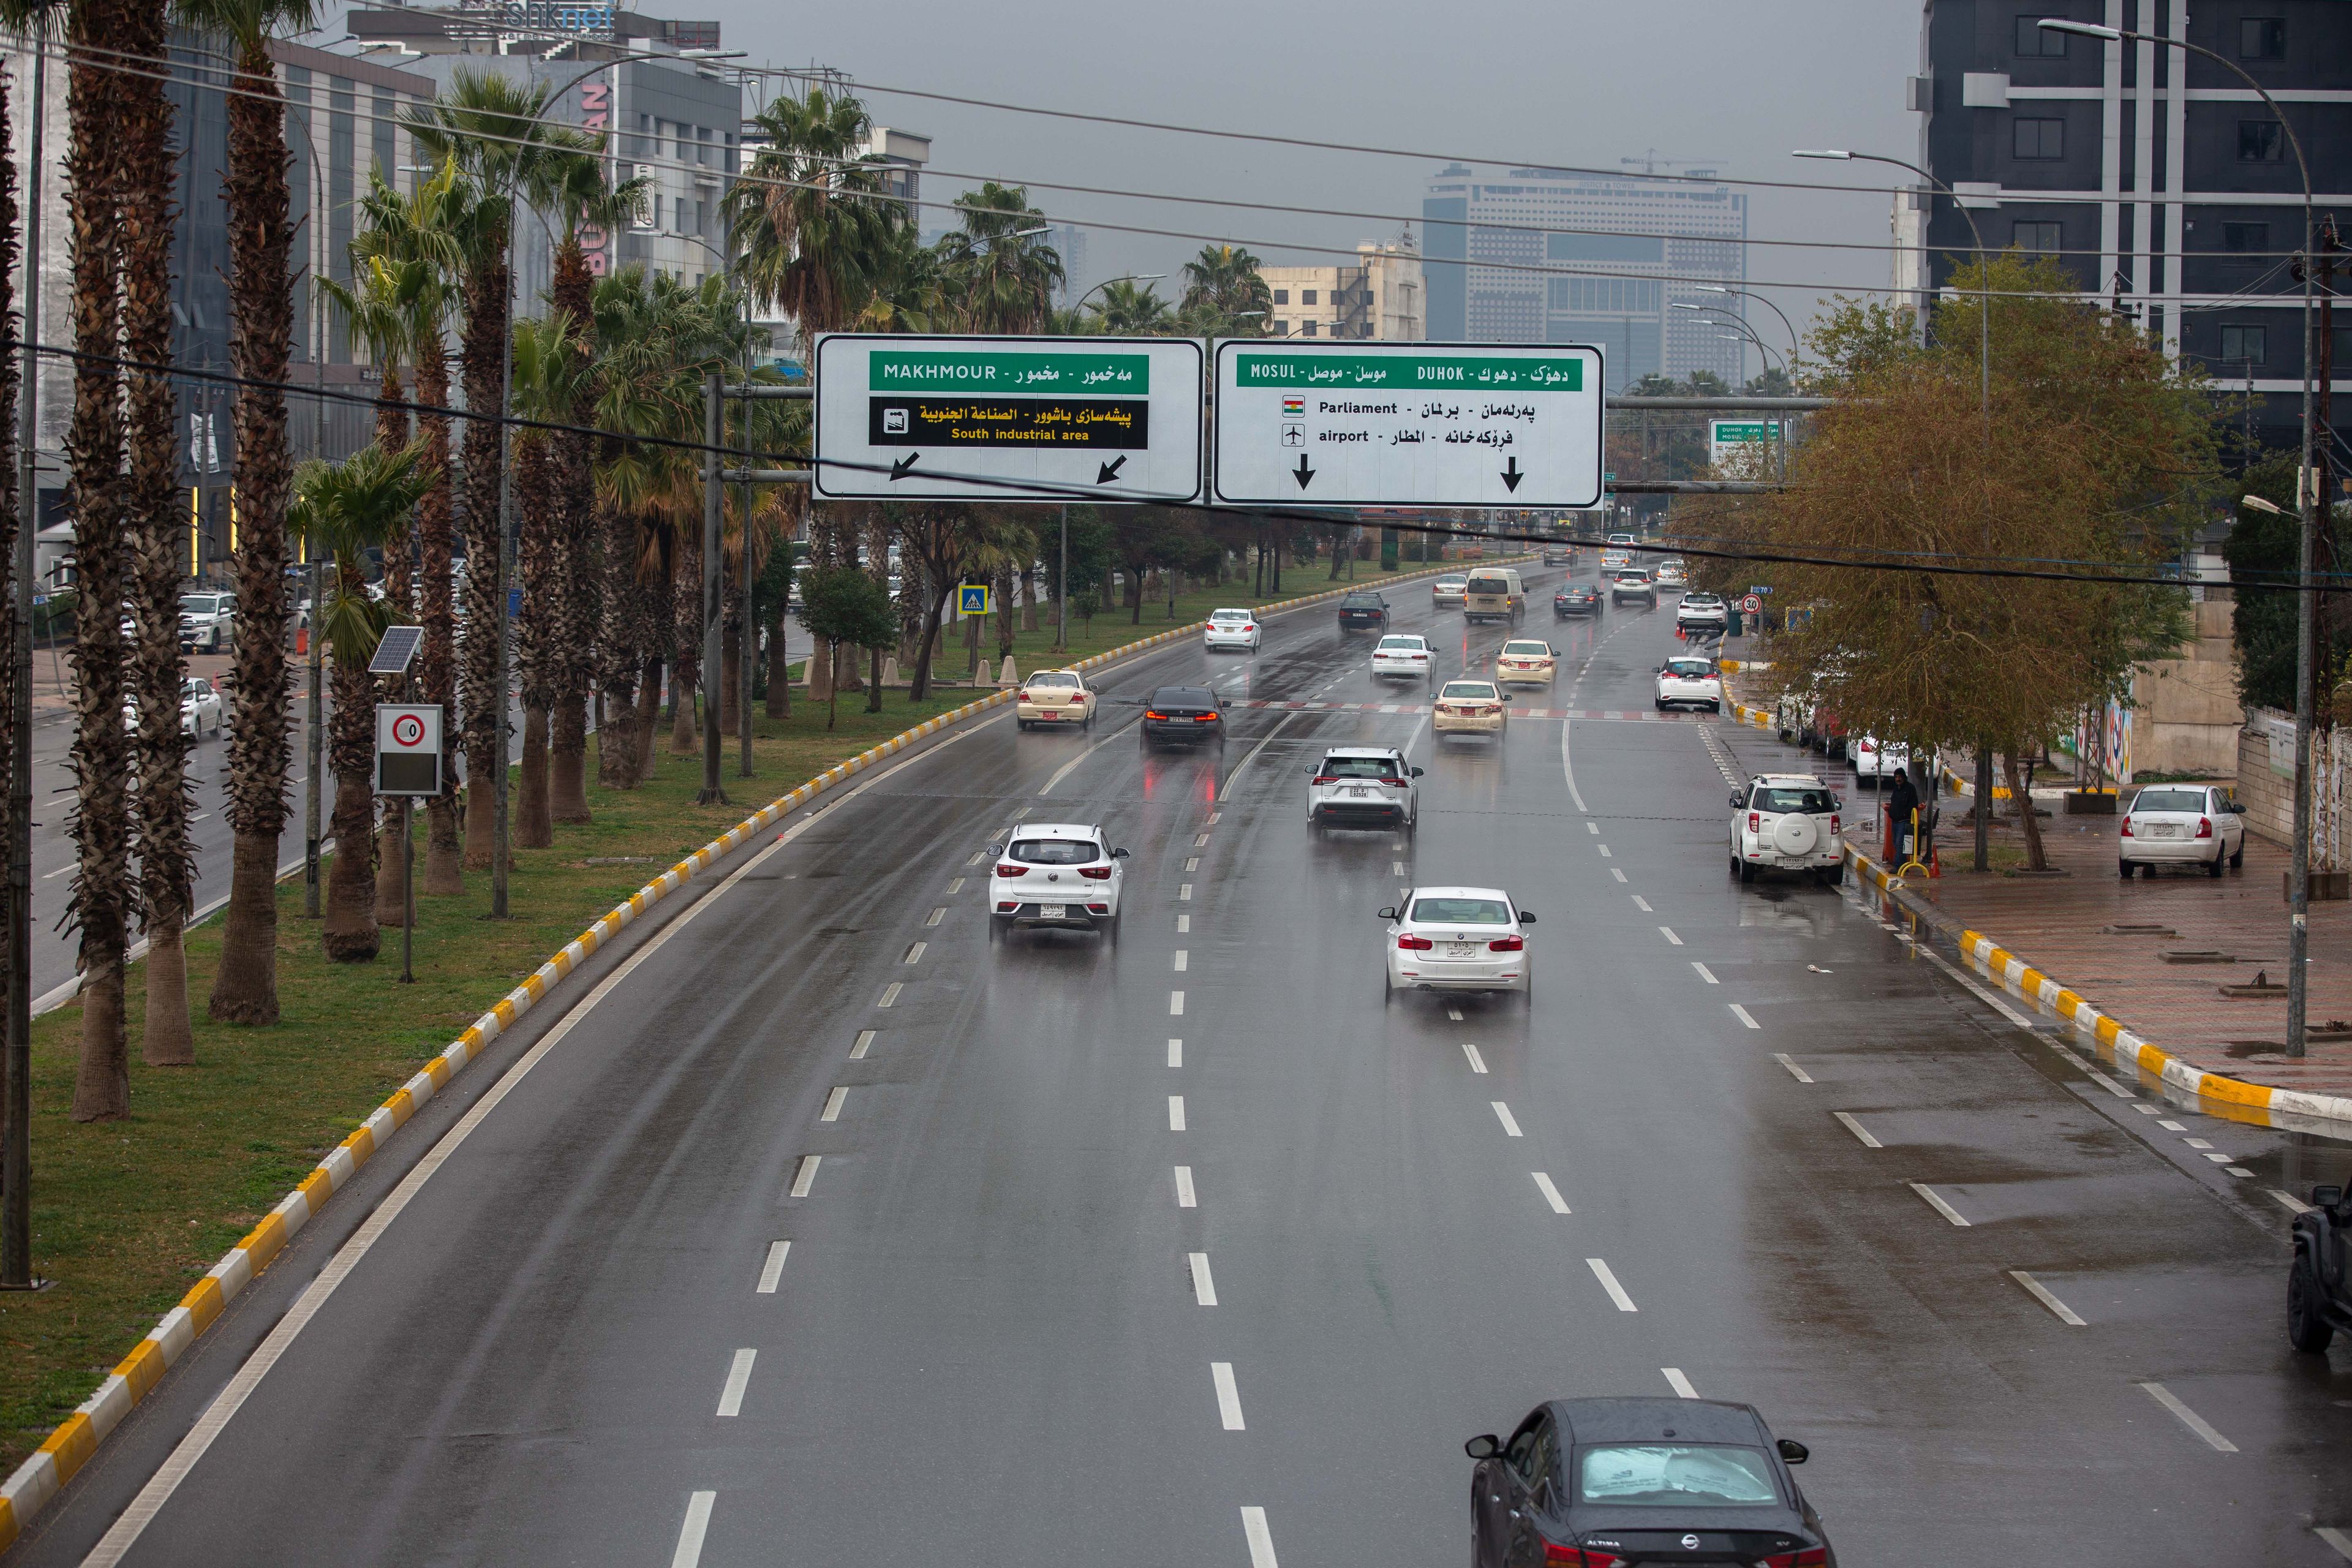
{"x": 714, "y": 673}
{"x": 1062, "y": 600}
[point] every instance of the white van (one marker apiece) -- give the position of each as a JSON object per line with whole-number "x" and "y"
{"x": 1494, "y": 594}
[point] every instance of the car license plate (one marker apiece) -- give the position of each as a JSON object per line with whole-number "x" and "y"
{"x": 1052, "y": 911}
{"x": 1461, "y": 949}
{"x": 1053, "y": 712}
{"x": 2162, "y": 830}
{"x": 1355, "y": 792}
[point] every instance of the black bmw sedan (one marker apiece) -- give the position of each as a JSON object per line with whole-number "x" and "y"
{"x": 1607, "y": 1483}
{"x": 1576, "y": 599}
{"x": 1183, "y": 713}
{"x": 1364, "y": 610}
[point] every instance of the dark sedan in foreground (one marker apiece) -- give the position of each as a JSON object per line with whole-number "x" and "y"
{"x": 1610, "y": 1483}
{"x": 1183, "y": 713}
{"x": 1364, "y": 611}
{"x": 1576, "y": 599}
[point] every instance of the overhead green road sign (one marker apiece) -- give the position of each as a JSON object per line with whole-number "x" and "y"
{"x": 1124, "y": 376}
{"x": 1444, "y": 425}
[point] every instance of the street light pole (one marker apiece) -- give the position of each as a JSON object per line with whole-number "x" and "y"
{"x": 714, "y": 673}
{"x": 1794, "y": 346}
{"x": 2308, "y": 502}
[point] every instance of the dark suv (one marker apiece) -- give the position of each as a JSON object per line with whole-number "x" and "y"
{"x": 2319, "y": 1282}
{"x": 1363, "y": 611}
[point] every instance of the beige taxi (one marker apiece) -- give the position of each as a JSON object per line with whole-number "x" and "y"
{"x": 1056, "y": 697}
{"x": 1524, "y": 661}
{"x": 1470, "y": 707}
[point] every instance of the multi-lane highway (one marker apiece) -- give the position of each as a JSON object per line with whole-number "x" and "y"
{"x": 836, "y": 1233}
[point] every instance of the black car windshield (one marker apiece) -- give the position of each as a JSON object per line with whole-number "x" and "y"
{"x": 1673, "y": 1475}
{"x": 1183, "y": 697}
{"x": 1360, "y": 601}
{"x": 2169, "y": 800}
{"x": 1359, "y": 768}
{"x": 1769, "y": 798}
{"x": 1055, "y": 851}
{"x": 1461, "y": 911}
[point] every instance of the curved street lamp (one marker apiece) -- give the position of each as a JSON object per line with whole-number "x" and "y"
{"x": 1794, "y": 346}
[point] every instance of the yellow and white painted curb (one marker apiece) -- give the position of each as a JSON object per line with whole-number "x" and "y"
{"x": 2123, "y": 1047}
{"x": 40, "y": 1478}
{"x": 1760, "y": 717}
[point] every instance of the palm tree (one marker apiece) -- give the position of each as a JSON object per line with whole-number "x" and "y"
{"x": 1001, "y": 279}
{"x": 548, "y": 374}
{"x": 1126, "y": 312}
{"x": 810, "y": 217}
{"x": 262, "y": 329}
{"x": 491, "y": 128}
{"x": 347, "y": 508}
{"x": 29, "y": 22}
{"x": 1223, "y": 288}
{"x": 418, "y": 234}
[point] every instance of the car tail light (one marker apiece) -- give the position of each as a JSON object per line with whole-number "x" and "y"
{"x": 1322, "y": 779}
{"x": 1205, "y": 718}
{"x": 1833, "y": 825}
{"x": 2204, "y": 827}
{"x": 1810, "y": 1557}
{"x": 2126, "y": 828}
{"x": 1078, "y": 697}
{"x": 1007, "y": 908}
{"x": 1755, "y": 822}
{"x": 1162, "y": 718}
{"x": 1556, "y": 1556}
{"x": 1421, "y": 656}
{"x": 1094, "y": 873}
{"x": 1251, "y": 627}
{"x": 1097, "y": 908}
{"x": 1013, "y": 870}
{"x": 1506, "y": 944}
{"x": 1412, "y": 943}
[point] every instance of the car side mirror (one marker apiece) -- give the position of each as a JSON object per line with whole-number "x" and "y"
{"x": 1118, "y": 854}
{"x": 1794, "y": 1452}
{"x": 1734, "y": 803}
{"x": 1526, "y": 917}
{"x": 1484, "y": 1446}
{"x": 2237, "y": 809}
{"x": 1389, "y": 913}
{"x": 1416, "y": 772}
{"x": 2326, "y": 1197}
{"x": 1507, "y": 696}
{"x": 1837, "y": 803}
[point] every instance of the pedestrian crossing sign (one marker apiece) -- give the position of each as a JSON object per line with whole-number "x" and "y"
{"x": 973, "y": 599}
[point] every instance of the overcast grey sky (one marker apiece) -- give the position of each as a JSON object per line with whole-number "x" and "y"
{"x": 1554, "y": 81}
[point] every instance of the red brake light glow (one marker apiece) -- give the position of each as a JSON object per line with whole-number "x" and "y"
{"x": 1013, "y": 870}
{"x": 1162, "y": 718}
{"x": 2126, "y": 828}
{"x": 1755, "y": 822}
{"x": 1810, "y": 1557}
{"x": 2204, "y": 827}
{"x": 1412, "y": 943}
{"x": 1506, "y": 944}
{"x": 1094, "y": 873}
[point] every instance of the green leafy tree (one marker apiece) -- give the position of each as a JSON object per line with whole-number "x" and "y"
{"x": 845, "y": 608}
{"x": 1000, "y": 275}
{"x": 1225, "y": 295}
{"x": 1125, "y": 311}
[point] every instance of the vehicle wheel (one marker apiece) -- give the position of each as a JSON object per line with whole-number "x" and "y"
{"x": 2123, "y": 869}
{"x": 1715, "y": 707}
{"x": 1388, "y": 986}
{"x": 1746, "y": 871}
{"x": 1735, "y": 864}
{"x": 1833, "y": 876}
{"x": 1021, "y": 723}
{"x": 2237, "y": 857}
{"x": 2307, "y": 1328}
{"x": 2220, "y": 860}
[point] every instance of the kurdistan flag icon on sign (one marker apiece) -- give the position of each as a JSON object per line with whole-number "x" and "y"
{"x": 1292, "y": 406}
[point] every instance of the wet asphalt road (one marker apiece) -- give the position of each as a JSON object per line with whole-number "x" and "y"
{"x": 991, "y": 1339}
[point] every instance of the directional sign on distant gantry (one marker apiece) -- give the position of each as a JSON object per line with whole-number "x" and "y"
{"x": 1007, "y": 418}
{"x": 1448, "y": 424}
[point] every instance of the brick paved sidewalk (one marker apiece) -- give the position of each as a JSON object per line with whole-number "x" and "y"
{"x": 2064, "y": 927}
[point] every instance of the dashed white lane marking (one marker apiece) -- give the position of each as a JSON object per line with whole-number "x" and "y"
{"x": 1175, "y": 1004}
{"x": 864, "y": 1039}
{"x": 1214, "y": 817}
{"x": 1193, "y": 864}
{"x": 1801, "y": 1075}
{"x": 915, "y": 953}
{"x": 2336, "y": 1538}
{"x": 1742, "y": 1014}
{"x": 1605, "y": 852}
{"x": 2149, "y": 1110}
{"x": 1184, "y": 960}
{"x": 806, "y": 1176}
{"x": 1175, "y": 1113}
{"x": 58, "y": 872}
{"x": 1477, "y": 1062}
{"x": 1668, "y": 932}
{"x": 1200, "y": 841}
{"x": 2293, "y": 1204}
{"x": 1552, "y": 1194}
{"x": 1184, "y": 1195}
{"x": 773, "y": 1269}
{"x": 1503, "y": 1115}
{"x": 1229, "y": 1396}
{"x": 2193, "y": 1142}
{"x": 1592, "y": 828}
{"x": 1609, "y": 1283}
{"x": 935, "y": 917}
{"x": 1858, "y": 1130}
{"x": 978, "y": 856}
{"x": 1643, "y": 904}
{"x": 833, "y": 1104}
{"x": 1175, "y": 1052}
{"x": 2171, "y": 1126}
{"x": 1705, "y": 972}
{"x": 1616, "y": 873}
{"x": 2041, "y": 1293}
{"x": 739, "y": 1378}
{"x": 1260, "y": 1539}
{"x": 689, "y": 1553}
{"x": 2189, "y": 1418}
{"x": 1454, "y": 1013}
{"x": 2237, "y": 1171}
{"x": 1682, "y": 1385}
{"x": 1396, "y": 867}
{"x": 1935, "y": 1202}
{"x": 890, "y": 992}
{"x": 1204, "y": 1285}
{"x": 955, "y": 887}
{"x": 1184, "y": 925}
{"x": 1020, "y": 814}
{"x": 1184, "y": 893}
{"x": 2220, "y": 1159}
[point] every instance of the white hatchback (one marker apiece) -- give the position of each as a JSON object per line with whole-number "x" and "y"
{"x": 1689, "y": 680}
{"x": 1402, "y": 654}
{"x": 1458, "y": 939}
{"x": 2181, "y": 825}
{"x": 1231, "y": 629}
{"x": 1786, "y": 822}
{"x": 1055, "y": 873}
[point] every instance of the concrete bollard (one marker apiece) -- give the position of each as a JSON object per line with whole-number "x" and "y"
{"x": 891, "y": 670}
{"x": 1008, "y": 675}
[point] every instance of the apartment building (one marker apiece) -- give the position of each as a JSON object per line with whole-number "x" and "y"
{"x": 1383, "y": 296}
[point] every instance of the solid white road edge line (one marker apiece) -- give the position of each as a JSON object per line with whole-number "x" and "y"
{"x": 183, "y": 1458}
{"x": 2041, "y": 1293}
{"x": 1552, "y": 1194}
{"x": 1204, "y": 1285}
{"x": 2188, "y": 1418}
{"x": 1857, "y": 1129}
{"x": 1682, "y": 1385}
{"x": 739, "y": 1378}
{"x": 1185, "y": 1199}
{"x": 772, "y": 1271}
{"x": 1260, "y": 1539}
{"x": 1937, "y": 1203}
{"x": 690, "y": 1534}
{"x": 1568, "y": 768}
{"x": 1229, "y": 1396}
{"x": 1609, "y": 1283}
{"x": 1503, "y": 1115}
{"x": 1067, "y": 768}
{"x": 2336, "y": 1538}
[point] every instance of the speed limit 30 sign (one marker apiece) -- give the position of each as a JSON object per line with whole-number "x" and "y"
{"x": 407, "y": 748}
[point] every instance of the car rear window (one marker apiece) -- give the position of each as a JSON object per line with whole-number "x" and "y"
{"x": 2169, "y": 800}
{"x": 1461, "y": 911}
{"x": 1675, "y": 1475}
{"x": 1468, "y": 689}
{"x": 1771, "y": 799}
{"x": 1413, "y": 644}
{"x": 1633, "y": 577}
{"x": 1701, "y": 600}
{"x": 1229, "y": 616}
{"x": 1690, "y": 668}
{"x": 1182, "y": 696}
{"x": 1361, "y": 601}
{"x": 1053, "y": 680}
{"x": 1490, "y": 584}
{"x": 1359, "y": 768}
{"x": 1527, "y": 650}
{"x": 1055, "y": 851}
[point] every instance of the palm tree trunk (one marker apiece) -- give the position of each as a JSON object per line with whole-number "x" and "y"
{"x": 573, "y": 292}
{"x": 536, "y": 652}
{"x": 780, "y": 677}
{"x": 619, "y": 655}
{"x": 921, "y": 686}
{"x": 102, "y": 825}
{"x": 399, "y": 592}
{"x": 436, "y": 610}
{"x": 685, "y": 633}
{"x": 731, "y": 679}
{"x": 648, "y": 714}
{"x": 158, "y": 532}
{"x": 11, "y": 347}
{"x": 1029, "y": 598}
{"x": 483, "y": 355}
{"x": 351, "y": 934}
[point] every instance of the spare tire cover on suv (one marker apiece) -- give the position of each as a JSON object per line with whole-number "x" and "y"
{"x": 1795, "y": 835}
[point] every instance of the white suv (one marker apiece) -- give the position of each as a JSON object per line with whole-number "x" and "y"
{"x": 1363, "y": 786}
{"x": 1786, "y": 822}
{"x": 1690, "y": 678}
{"x": 1057, "y": 874}
{"x": 1702, "y": 612}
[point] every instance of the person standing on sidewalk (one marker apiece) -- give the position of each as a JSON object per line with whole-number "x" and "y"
{"x": 1902, "y": 800}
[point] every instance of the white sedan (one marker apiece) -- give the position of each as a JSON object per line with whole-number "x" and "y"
{"x": 2181, "y": 825}
{"x": 1054, "y": 874}
{"x": 1525, "y": 661}
{"x": 1876, "y": 760}
{"x": 1055, "y": 696}
{"x": 1458, "y": 939}
{"x": 1692, "y": 681}
{"x": 200, "y": 708}
{"x": 1404, "y": 654}
{"x": 1231, "y": 629}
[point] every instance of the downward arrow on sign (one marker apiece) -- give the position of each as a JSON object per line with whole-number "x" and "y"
{"x": 898, "y": 470}
{"x": 1511, "y": 475}
{"x": 1302, "y": 473}
{"x": 1110, "y": 470}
